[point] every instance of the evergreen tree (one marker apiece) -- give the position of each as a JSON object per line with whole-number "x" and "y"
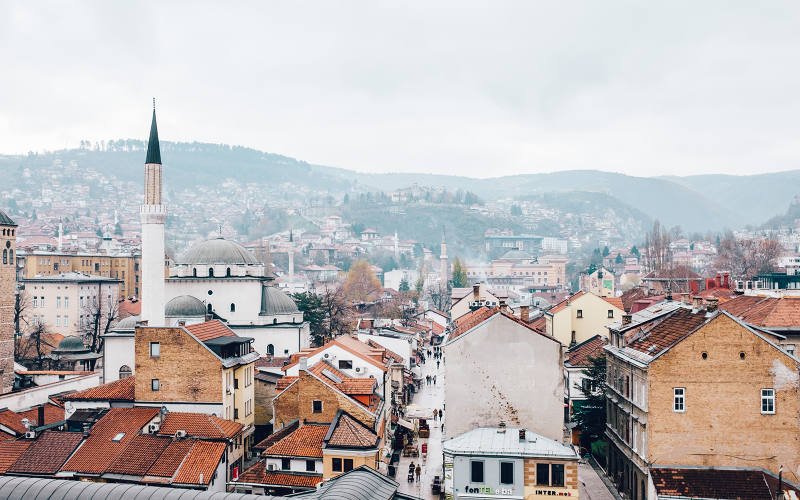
{"x": 404, "y": 287}
{"x": 618, "y": 260}
{"x": 590, "y": 417}
{"x": 311, "y": 306}
{"x": 459, "y": 274}
{"x": 606, "y": 251}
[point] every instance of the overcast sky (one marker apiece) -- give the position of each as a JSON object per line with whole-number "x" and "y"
{"x": 478, "y": 89}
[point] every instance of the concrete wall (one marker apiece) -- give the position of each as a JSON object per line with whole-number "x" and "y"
{"x": 295, "y": 464}
{"x": 723, "y": 424}
{"x": 504, "y": 372}
{"x": 368, "y": 458}
{"x": 118, "y": 350}
{"x": 39, "y": 395}
{"x": 399, "y": 346}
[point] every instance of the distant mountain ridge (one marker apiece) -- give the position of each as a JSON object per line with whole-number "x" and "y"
{"x": 696, "y": 203}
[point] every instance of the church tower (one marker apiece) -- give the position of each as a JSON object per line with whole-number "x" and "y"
{"x": 443, "y": 264}
{"x": 8, "y": 286}
{"x": 154, "y": 214}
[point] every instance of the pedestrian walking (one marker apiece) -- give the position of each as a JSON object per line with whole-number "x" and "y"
{"x": 437, "y": 364}
{"x": 434, "y": 380}
{"x": 419, "y": 472}
{"x": 440, "y": 414}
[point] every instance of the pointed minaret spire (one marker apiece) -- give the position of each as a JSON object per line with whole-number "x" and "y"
{"x": 153, "y": 147}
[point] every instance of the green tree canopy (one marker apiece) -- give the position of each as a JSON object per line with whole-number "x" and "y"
{"x": 459, "y": 274}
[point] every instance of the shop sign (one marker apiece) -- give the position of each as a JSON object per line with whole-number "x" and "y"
{"x": 486, "y": 490}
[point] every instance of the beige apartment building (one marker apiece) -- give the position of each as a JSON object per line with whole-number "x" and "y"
{"x": 69, "y": 303}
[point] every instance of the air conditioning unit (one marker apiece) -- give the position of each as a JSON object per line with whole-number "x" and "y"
{"x": 30, "y": 435}
{"x": 180, "y": 434}
{"x": 153, "y": 428}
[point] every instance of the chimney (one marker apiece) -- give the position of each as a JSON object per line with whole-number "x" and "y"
{"x": 726, "y": 280}
{"x": 522, "y": 434}
{"x": 303, "y": 363}
{"x": 503, "y": 306}
{"x": 525, "y": 313}
{"x": 697, "y": 302}
{"x": 685, "y": 298}
{"x": 476, "y": 292}
{"x": 40, "y": 416}
{"x": 711, "y": 304}
{"x": 627, "y": 319}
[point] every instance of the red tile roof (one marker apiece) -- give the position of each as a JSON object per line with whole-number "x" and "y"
{"x": 169, "y": 461}
{"x": 129, "y": 308}
{"x": 12, "y": 420}
{"x": 306, "y": 441}
{"x": 564, "y": 303}
{"x": 140, "y": 454}
{"x": 471, "y": 320}
{"x": 539, "y": 324}
{"x": 664, "y": 331}
{"x": 349, "y": 385}
{"x": 714, "y": 483}
{"x": 579, "y": 355}
{"x": 199, "y": 425}
{"x": 284, "y": 382}
{"x": 119, "y": 390}
{"x": 257, "y": 474}
{"x": 52, "y": 413}
{"x": 271, "y": 362}
{"x": 615, "y": 301}
{"x": 210, "y": 330}
{"x": 277, "y": 435}
{"x": 10, "y": 452}
{"x": 347, "y": 432}
{"x": 765, "y": 312}
{"x": 101, "y": 448}
{"x": 371, "y": 355}
{"x": 47, "y": 453}
{"x": 200, "y": 465}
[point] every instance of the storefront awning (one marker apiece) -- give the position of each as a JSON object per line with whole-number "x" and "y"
{"x": 405, "y": 423}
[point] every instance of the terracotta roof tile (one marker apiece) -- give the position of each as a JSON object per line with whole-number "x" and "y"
{"x": 210, "y": 330}
{"x": 140, "y": 454}
{"x": 47, "y": 453}
{"x": 257, "y": 474}
{"x": 471, "y": 320}
{"x": 119, "y": 390}
{"x": 347, "y": 432}
{"x": 284, "y": 382}
{"x": 539, "y": 324}
{"x": 199, "y": 425}
{"x": 52, "y": 413}
{"x": 579, "y": 355}
{"x": 170, "y": 459}
{"x": 564, "y": 303}
{"x": 373, "y": 356}
{"x": 102, "y": 447}
{"x": 664, "y": 331}
{"x": 200, "y": 465}
{"x": 348, "y": 385}
{"x": 765, "y": 312}
{"x": 12, "y": 420}
{"x": 615, "y": 301}
{"x": 10, "y": 452}
{"x": 271, "y": 361}
{"x": 714, "y": 483}
{"x": 306, "y": 441}
{"x": 277, "y": 435}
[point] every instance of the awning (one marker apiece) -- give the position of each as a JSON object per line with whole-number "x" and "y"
{"x": 419, "y": 412}
{"x": 405, "y": 423}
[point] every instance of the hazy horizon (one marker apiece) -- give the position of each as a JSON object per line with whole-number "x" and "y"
{"x": 465, "y": 88}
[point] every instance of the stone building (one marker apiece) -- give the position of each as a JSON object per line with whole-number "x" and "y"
{"x": 698, "y": 387}
{"x": 8, "y": 287}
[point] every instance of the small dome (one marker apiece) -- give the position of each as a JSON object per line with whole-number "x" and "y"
{"x": 274, "y": 302}
{"x": 184, "y": 306}
{"x": 127, "y": 324}
{"x": 71, "y": 343}
{"x": 516, "y": 255}
{"x": 217, "y": 251}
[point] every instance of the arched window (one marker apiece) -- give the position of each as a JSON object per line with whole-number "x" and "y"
{"x": 274, "y": 321}
{"x": 211, "y": 271}
{"x": 5, "y": 256}
{"x": 228, "y": 272}
{"x": 194, "y": 272}
{"x": 233, "y": 307}
{"x": 210, "y": 309}
{"x": 270, "y": 350}
{"x": 11, "y": 256}
{"x": 125, "y": 371}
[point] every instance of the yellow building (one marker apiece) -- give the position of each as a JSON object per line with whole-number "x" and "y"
{"x": 581, "y": 317}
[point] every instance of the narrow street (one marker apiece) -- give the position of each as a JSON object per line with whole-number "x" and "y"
{"x": 429, "y": 396}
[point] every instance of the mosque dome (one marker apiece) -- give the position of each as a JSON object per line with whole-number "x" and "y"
{"x": 127, "y": 324}
{"x": 185, "y": 306}
{"x": 217, "y": 251}
{"x": 71, "y": 344}
{"x": 275, "y": 302}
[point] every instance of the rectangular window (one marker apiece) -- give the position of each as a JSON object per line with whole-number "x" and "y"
{"x": 58, "y": 302}
{"x": 155, "y": 349}
{"x": 336, "y": 464}
{"x": 476, "y": 471}
{"x": 316, "y": 406}
{"x": 58, "y": 321}
{"x": 155, "y": 384}
{"x": 542, "y": 474}
{"x": 311, "y": 465}
{"x": 580, "y": 313}
{"x": 66, "y": 302}
{"x": 286, "y": 463}
{"x": 348, "y": 464}
{"x": 679, "y": 401}
{"x": 768, "y": 401}
{"x": 557, "y": 475}
{"x": 610, "y": 313}
{"x": 506, "y": 472}
{"x": 42, "y": 304}
{"x": 345, "y": 364}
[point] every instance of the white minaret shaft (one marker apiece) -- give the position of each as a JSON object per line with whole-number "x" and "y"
{"x": 443, "y": 262}
{"x": 154, "y": 214}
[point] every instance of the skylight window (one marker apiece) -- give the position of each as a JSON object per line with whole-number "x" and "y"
{"x": 118, "y": 437}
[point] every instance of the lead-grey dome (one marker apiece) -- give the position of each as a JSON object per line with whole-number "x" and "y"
{"x": 127, "y": 324}
{"x": 217, "y": 251}
{"x": 71, "y": 343}
{"x": 185, "y": 306}
{"x": 274, "y": 302}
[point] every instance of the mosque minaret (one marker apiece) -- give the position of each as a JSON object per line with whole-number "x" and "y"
{"x": 154, "y": 214}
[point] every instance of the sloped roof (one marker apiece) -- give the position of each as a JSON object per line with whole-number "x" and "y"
{"x": 714, "y": 483}
{"x": 345, "y": 383}
{"x": 471, "y": 320}
{"x": 210, "y": 330}
{"x": 10, "y": 451}
{"x": 353, "y": 346}
{"x": 47, "y": 453}
{"x": 199, "y": 425}
{"x": 170, "y": 459}
{"x": 12, "y": 420}
{"x": 564, "y": 303}
{"x": 5, "y": 220}
{"x": 306, "y": 441}
{"x": 258, "y": 474}
{"x": 615, "y": 301}
{"x": 277, "y": 435}
{"x": 347, "y": 432}
{"x": 200, "y": 465}
{"x": 139, "y": 455}
{"x": 592, "y": 348}
{"x": 362, "y": 483}
{"x": 52, "y": 413}
{"x": 665, "y": 331}
{"x": 119, "y": 390}
{"x": 765, "y": 312}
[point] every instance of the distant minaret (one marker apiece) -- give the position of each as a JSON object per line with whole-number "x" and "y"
{"x": 396, "y": 246}
{"x": 153, "y": 213}
{"x": 443, "y": 266}
{"x": 291, "y": 256}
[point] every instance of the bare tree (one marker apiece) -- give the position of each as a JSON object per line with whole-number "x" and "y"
{"x": 20, "y": 321}
{"x": 97, "y": 316}
{"x": 339, "y": 317}
{"x": 439, "y": 295}
{"x": 31, "y": 347}
{"x": 746, "y": 257}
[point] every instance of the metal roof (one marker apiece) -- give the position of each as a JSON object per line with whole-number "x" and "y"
{"x": 217, "y": 251}
{"x": 362, "y": 483}
{"x": 494, "y": 441}
{"x": 60, "y": 489}
{"x": 5, "y": 220}
{"x": 153, "y": 147}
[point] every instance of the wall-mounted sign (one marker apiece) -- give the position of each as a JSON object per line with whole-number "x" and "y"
{"x": 486, "y": 490}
